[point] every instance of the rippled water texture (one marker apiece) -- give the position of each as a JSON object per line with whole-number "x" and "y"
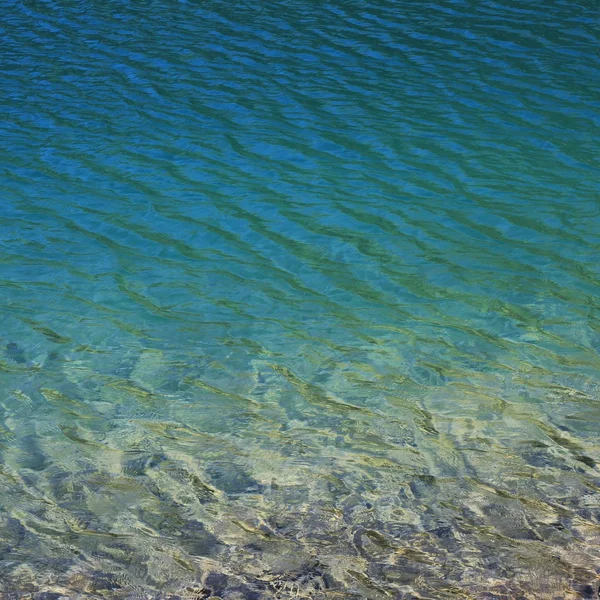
{"x": 299, "y": 299}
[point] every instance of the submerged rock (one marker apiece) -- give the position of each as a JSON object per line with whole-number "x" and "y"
{"x": 196, "y": 540}
{"x": 139, "y": 466}
{"x": 31, "y": 456}
{"x": 232, "y": 479}
{"x": 15, "y": 353}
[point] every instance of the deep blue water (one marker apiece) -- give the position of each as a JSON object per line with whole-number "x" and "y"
{"x": 299, "y": 299}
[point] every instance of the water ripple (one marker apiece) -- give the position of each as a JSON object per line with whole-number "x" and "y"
{"x": 299, "y": 300}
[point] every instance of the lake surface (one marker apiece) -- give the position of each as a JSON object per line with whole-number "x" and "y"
{"x": 299, "y": 299}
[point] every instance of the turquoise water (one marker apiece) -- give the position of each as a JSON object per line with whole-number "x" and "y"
{"x": 299, "y": 300}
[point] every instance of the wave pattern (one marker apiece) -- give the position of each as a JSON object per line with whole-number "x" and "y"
{"x": 299, "y": 300}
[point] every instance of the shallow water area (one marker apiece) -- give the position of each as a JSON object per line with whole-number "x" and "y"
{"x": 299, "y": 300}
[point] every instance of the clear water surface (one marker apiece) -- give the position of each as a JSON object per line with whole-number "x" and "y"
{"x": 299, "y": 299}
